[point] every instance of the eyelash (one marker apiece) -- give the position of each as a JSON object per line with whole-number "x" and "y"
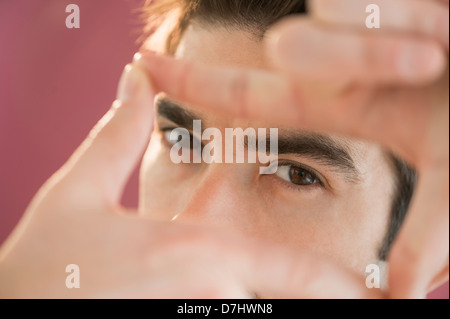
{"x": 321, "y": 180}
{"x": 316, "y": 175}
{"x": 166, "y": 129}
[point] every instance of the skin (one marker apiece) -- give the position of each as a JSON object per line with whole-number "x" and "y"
{"x": 76, "y": 216}
{"x": 345, "y": 220}
{"x": 369, "y": 93}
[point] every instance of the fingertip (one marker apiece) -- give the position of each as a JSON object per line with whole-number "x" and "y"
{"x": 282, "y": 42}
{"x": 137, "y": 57}
{"x": 148, "y": 59}
{"x": 161, "y": 69}
{"x": 133, "y": 83}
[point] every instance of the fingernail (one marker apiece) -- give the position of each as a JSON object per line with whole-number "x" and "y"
{"x": 129, "y": 84}
{"x": 283, "y": 46}
{"x": 275, "y": 48}
{"x": 420, "y": 61}
{"x": 137, "y": 57}
{"x": 145, "y": 58}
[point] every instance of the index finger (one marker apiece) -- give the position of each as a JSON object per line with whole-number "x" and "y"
{"x": 279, "y": 99}
{"x": 242, "y": 93}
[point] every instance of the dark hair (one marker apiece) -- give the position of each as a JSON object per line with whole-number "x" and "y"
{"x": 405, "y": 183}
{"x": 256, "y": 16}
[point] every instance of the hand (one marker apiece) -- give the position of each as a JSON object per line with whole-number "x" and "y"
{"x": 331, "y": 74}
{"x": 76, "y": 219}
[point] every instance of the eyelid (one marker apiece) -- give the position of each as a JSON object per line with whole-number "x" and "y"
{"x": 323, "y": 182}
{"x": 165, "y": 141}
{"x": 172, "y": 127}
{"x": 169, "y": 127}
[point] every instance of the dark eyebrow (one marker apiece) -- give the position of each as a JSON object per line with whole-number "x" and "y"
{"x": 176, "y": 114}
{"x": 320, "y": 148}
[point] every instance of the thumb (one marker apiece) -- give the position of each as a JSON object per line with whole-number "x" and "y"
{"x": 103, "y": 163}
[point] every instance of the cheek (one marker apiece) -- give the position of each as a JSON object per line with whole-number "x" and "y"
{"x": 161, "y": 182}
{"x": 364, "y": 211}
{"x": 348, "y": 227}
{"x": 297, "y": 218}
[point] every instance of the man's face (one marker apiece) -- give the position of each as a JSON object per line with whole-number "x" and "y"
{"x": 331, "y": 195}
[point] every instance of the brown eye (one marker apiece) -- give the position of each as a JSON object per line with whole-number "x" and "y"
{"x": 300, "y": 176}
{"x": 297, "y": 175}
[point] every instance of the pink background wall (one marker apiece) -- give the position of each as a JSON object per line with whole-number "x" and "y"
{"x": 55, "y": 83}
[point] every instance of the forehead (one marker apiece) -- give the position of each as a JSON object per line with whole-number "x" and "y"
{"x": 220, "y": 46}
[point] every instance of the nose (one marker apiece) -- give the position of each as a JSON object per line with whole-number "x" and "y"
{"x": 222, "y": 196}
